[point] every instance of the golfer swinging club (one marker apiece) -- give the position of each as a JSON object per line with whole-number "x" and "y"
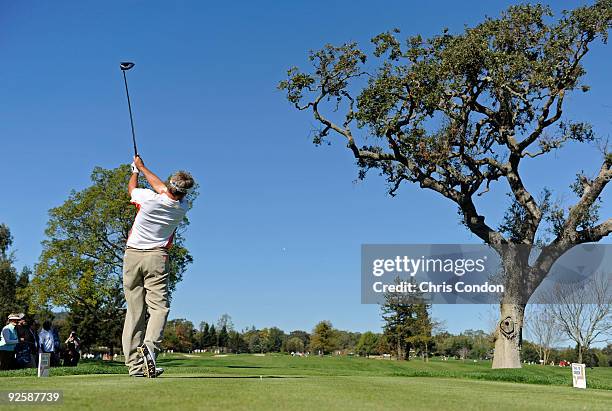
{"x": 146, "y": 266}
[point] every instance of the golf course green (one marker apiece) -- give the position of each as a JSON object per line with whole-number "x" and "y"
{"x": 204, "y": 381}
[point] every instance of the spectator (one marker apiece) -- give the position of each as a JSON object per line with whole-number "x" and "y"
{"x": 34, "y": 326}
{"x": 25, "y": 348}
{"x": 71, "y": 357}
{"x": 56, "y": 346}
{"x": 47, "y": 342}
{"x": 8, "y": 341}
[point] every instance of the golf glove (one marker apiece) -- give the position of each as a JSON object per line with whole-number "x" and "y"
{"x": 134, "y": 168}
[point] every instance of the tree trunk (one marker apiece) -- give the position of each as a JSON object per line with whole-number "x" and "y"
{"x": 399, "y": 349}
{"x": 579, "y": 353}
{"x": 541, "y": 353}
{"x": 508, "y": 332}
{"x": 508, "y": 336}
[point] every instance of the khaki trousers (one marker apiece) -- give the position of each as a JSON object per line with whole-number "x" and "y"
{"x": 145, "y": 284}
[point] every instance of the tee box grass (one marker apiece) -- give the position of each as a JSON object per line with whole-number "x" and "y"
{"x": 246, "y": 381}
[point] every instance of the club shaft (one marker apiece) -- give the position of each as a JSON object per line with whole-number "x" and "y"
{"x": 127, "y": 93}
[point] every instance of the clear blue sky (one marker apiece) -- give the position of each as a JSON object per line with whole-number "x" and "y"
{"x": 205, "y": 99}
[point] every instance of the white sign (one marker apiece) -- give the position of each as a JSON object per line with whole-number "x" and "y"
{"x": 44, "y": 363}
{"x": 579, "y": 375}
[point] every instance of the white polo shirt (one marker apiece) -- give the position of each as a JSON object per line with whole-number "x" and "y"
{"x": 157, "y": 218}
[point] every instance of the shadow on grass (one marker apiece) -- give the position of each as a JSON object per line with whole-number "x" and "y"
{"x": 244, "y": 366}
{"x": 237, "y": 377}
{"x": 177, "y": 362}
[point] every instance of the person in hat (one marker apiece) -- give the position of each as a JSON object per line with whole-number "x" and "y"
{"x": 8, "y": 342}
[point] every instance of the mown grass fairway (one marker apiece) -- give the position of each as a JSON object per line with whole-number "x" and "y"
{"x": 284, "y": 382}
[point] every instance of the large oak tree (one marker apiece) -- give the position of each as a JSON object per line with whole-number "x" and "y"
{"x": 456, "y": 112}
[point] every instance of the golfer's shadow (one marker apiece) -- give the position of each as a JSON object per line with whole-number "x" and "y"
{"x": 233, "y": 376}
{"x": 244, "y": 366}
{"x": 178, "y": 362}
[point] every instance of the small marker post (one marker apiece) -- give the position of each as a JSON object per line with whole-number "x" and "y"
{"x": 44, "y": 363}
{"x": 579, "y": 375}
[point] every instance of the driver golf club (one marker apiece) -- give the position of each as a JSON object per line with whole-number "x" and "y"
{"x": 125, "y": 66}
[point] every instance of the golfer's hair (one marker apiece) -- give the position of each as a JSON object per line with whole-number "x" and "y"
{"x": 179, "y": 183}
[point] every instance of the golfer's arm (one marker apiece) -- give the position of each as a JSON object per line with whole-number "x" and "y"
{"x": 133, "y": 183}
{"x": 155, "y": 182}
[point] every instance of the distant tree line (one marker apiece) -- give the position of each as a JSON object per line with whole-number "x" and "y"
{"x": 593, "y": 357}
{"x": 180, "y": 335}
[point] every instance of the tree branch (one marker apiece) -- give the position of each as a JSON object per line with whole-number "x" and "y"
{"x": 591, "y": 192}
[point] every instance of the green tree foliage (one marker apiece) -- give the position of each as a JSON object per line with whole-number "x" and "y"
{"x": 212, "y": 337}
{"x": 568, "y": 354}
{"x": 6, "y": 240}
{"x": 21, "y": 289}
{"x": 304, "y": 336}
{"x": 407, "y": 324}
{"x": 275, "y": 339}
{"x": 13, "y": 285}
{"x": 443, "y": 343}
{"x": 481, "y": 343}
{"x": 179, "y": 335}
{"x": 255, "y": 340}
{"x": 236, "y": 343}
{"x": 323, "y": 338}
{"x": 347, "y": 341}
{"x": 223, "y": 337}
{"x": 98, "y": 324}
{"x": 294, "y": 344}
{"x": 203, "y": 335}
{"x": 224, "y": 324}
{"x": 397, "y": 315}
{"x": 80, "y": 267}
{"x": 606, "y": 353}
{"x": 421, "y": 339}
{"x": 207, "y": 336}
{"x": 529, "y": 352}
{"x": 472, "y": 344}
{"x": 384, "y": 347}
{"x": 368, "y": 344}
{"x": 8, "y": 274}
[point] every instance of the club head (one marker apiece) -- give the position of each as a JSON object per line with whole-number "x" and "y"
{"x": 126, "y": 65}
